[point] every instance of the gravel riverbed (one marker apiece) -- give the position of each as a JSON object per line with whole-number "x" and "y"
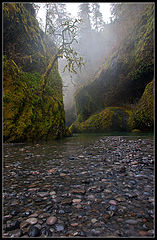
{"x": 101, "y": 189}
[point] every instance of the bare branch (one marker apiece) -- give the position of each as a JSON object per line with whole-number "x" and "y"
{"x": 74, "y": 62}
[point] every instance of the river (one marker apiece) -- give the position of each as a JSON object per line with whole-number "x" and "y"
{"x": 86, "y": 185}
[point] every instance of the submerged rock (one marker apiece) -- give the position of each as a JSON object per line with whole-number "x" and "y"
{"x": 59, "y": 227}
{"x": 34, "y": 232}
{"x": 12, "y": 225}
{"x": 51, "y": 220}
{"x": 32, "y": 220}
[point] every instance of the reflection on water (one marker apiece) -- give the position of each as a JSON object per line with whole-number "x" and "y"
{"x": 29, "y": 153}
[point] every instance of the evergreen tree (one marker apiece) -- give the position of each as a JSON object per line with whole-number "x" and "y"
{"x": 98, "y": 22}
{"x": 126, "y": 16}
{"x": 84, "y": 14}
{"x": 85, "y": 32}
{"x": 48, "y": 17}
{"x": 56, "y": 15}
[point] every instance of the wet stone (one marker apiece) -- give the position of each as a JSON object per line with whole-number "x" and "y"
{"x": 63, "y": 174}
{"x": 14, "y": 212}
{"x": 27, "y": 213}
{"x": 67, "y": 201}
{"x": 47, "y": 208}
{"x": 34, "y": 232}
{"x": 46, "y": 232}
{"x": 131, "y": 221}
{"x": 53, "y": 193}
{"x": 74, "y": 224}
{"x": 7, "y": 217}
{"x": 34, "y": 215}
{"x": 76, "y": 200}
{"x": 94, "y": 220}
{"x": 78, "y": 191}
{"x": 59, "y": 227}
{"x": 113, "y": 202}
{"x": 44, "y": 215}
{"x": 15, "y": 233}
{"x": 91, "y": 197}
{"x": 78, "y": 206}
{"x": 61, "y": 211}
{"x": 24, "y": 224}
{"x": 12, "y": 225}
{"x": 51, "y": 220}
{"x": 42, "y": 194}
{"x": 32, "y": 220}
{"x": 113, "y": 208}
{"x": 95, "y": 232}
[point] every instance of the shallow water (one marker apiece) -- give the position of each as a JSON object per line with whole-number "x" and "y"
{"x": 32, "y": 171}
{"x": 29, "y": 154}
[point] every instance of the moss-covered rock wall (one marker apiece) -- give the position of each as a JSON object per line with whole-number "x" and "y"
{"x": 124, "y": 76}
{"x": 28, "y": 113}
{"x": 134, "y": 118}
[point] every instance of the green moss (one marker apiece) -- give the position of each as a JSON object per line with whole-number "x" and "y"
{"x": 143, "y": 114}
{"x": 135, "y": 131}
{"x": 110, "y": 119}
{"x": 28, "y": 113}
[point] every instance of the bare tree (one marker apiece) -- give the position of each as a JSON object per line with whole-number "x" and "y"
{"x": 65, "y": 35}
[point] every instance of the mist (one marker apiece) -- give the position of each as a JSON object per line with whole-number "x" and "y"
{"x": 96, "y": 41}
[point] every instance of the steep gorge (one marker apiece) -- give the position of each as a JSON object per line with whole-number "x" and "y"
{"x": 120, "y": 83}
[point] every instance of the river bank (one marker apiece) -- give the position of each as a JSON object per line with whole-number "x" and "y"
{"x": 102, "y": 187}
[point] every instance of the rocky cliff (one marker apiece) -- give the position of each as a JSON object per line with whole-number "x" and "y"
{"x": 28, "y": 113}
{"x": 121, "y": 81}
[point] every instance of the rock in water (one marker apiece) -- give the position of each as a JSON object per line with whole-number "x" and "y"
{"x": 59, "y": 228}
{"x": 32, "y": 220}
{"x": 113, "y": 202}
{"x": 43, "y": 194}
{"x": 34, "y": 232}
{"x": 51, "y": 220}
{"x": 15, "y": 233}
{"x": 13, "y": 225}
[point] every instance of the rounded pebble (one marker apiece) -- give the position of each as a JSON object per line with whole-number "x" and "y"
{"x": 51, "y": 220}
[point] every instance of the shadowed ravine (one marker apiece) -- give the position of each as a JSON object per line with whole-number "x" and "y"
{"x": 82, "y": 186}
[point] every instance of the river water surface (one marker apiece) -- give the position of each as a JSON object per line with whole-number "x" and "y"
{"x": 88, "y": 185}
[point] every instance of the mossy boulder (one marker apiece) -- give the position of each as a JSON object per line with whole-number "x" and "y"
{"x": 136, "y": 130}
{"x": 110, "y": 119}
{"x": 143, "y": 114}
{"x": 29, "y": 114}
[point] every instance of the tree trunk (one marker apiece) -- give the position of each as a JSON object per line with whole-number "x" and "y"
{"x": 48, "y": 70}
